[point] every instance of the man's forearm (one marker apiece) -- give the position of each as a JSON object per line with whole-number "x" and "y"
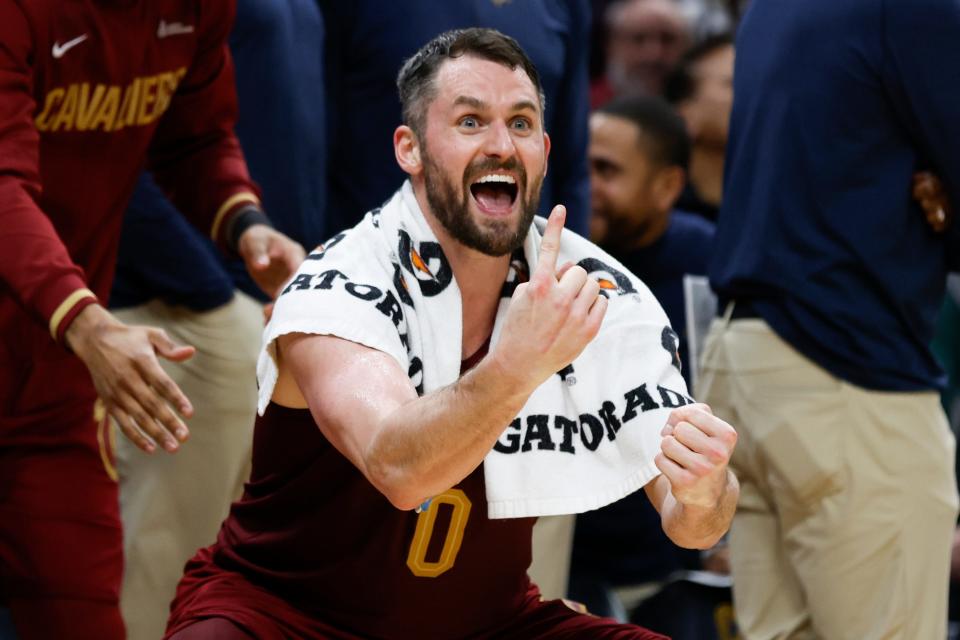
{"x": 696, "y": 527}
{"x": 429, "y": 444}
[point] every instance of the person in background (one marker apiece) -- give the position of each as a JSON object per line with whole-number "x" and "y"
{"x": 170, "y": 276}
{"x": 90, "y": 93}
{"x": 363, "y": 55}
{"x": 639, "y": 156}
{"x": 830, "y": 280}
{"x": 701, "y": 89}
{"x": 639, "y": 153}
{"x": 645, "y": 40}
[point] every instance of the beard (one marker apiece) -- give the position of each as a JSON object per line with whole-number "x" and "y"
{"x": 492, "y": 237}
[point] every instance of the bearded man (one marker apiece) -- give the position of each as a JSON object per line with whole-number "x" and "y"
{"x": 433, "y": 361}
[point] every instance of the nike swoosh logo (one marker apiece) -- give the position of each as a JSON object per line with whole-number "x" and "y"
{"x": 165, "y": 29}
{"x": 60, "y": 49}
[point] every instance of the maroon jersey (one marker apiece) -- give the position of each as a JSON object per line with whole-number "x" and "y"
{"x": 312, "y": 529}
{"x": 89, "y": 91}
{"x": 313, "y": 551}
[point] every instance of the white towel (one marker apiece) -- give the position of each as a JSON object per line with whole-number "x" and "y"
{"x": 586, "y": 437}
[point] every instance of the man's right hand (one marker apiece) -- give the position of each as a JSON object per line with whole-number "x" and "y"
{"x": 135, "y": 390}
{"x": 551, "y": 318}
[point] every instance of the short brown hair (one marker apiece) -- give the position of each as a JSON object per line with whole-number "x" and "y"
{"x": 415, "y": 81}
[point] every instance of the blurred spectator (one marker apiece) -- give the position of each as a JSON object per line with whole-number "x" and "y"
{"x": 638, "y": 154}
{"x": 91, "y": 93}
{"x": 645, "y": 40}
{"x": 701, "y": 88}
{"x": 834, "y": 278}
{"x": 170, "y": 276}
{"x": 365, "y": 49}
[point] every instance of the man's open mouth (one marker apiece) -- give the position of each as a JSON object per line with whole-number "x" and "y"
{"x": 495, "y": 193}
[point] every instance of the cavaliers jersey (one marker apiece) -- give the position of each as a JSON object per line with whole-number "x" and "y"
{"x": 89, "y": 92}
{"x": 312, "y": 529}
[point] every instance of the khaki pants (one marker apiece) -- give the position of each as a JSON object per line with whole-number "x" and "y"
{"x": 552, "y": 546}
{"x": 848, "y": 500}
{"x": 173, "y": 504}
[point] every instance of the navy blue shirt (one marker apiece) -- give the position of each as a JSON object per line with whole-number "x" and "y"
{"x": 836, "y": 105}
{"x": 163, "y": 256}
{"x": 277, "y": 50}
{"x": 624, "y": 542}
{"x": 368, "y": 41}
{"x": 684, "y": 249}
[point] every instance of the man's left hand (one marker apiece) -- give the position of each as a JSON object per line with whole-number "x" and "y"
{"x": 694, "y": 455}
{"x": 270, "y": 256}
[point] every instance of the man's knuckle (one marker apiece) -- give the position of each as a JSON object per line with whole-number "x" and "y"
{"x": 140, "y": 417}
{"x": 717, "y": 453}
{"x": 701, "y": 467}
{"x": 683, "y": 480}
{"x": 562, "y": 303}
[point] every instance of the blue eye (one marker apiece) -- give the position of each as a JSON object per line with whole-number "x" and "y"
{"x": 520, "y": 124}
{"x": 470, "y": 122}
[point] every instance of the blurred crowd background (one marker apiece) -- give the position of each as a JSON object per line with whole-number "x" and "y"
{"x": 614, "y": 72}
{"x": 639, "y": 96}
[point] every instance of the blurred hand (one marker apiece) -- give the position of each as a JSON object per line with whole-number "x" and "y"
{"x": 271, "y": 257}
{"x": 694, "y": 455}
{"x": 135, "y": 390}
{"x": 929, "y": 192}
{"x": 716, "y": 559}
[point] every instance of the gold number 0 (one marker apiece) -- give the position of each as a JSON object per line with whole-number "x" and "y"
{"x": 416, "y": 558}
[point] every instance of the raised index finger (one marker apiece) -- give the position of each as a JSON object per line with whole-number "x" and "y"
{"x": 550, "y": 243}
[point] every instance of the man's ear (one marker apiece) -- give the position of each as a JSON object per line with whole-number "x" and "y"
{"x": 546, "y": 152}
{"x": 406, "y": 147}
{"x": 667, "y": 187}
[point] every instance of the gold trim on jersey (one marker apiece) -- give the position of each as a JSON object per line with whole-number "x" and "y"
{"x": 227, "y": 206}
{"x": 64, "y": 308}
{"x": 106, "y": 439}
